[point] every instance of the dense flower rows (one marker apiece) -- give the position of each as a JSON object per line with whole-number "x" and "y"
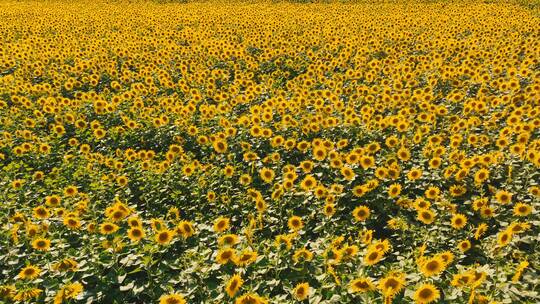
{"x": 269, "y": 152}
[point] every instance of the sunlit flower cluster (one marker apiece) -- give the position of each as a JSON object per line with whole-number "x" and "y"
{"x": 269, "y": 152}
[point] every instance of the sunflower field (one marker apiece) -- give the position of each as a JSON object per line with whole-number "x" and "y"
{"x": 260, "y": 152}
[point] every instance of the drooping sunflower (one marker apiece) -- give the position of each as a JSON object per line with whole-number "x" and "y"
{"x": 69, "y": 291}
{"x": 7, "y": 292}
{"x": 27, "y": 294}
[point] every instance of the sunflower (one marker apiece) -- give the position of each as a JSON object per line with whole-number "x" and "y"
{"x": 447, "y": 257}
{"x": 361, "y": 213}
{"x": 233, "y": 285}
{"x": 480, "y": 230}
{"x": 392, "y": 284}
{"x": 27, "y": 294}
{"x": 432, "y": 266}
{"x": 464, "y": 245}
{"x": 164, "y": 237}
{"x": 225, "y": 256}
{"x": 136, "y": 234}
{"x": 426, "y": 293}
{"x": 66, "y": 265}
{"x": 122, "y": 181}
{"x": 41, "y": 212}
{"x": 108, "y": 228}
{"x": 421, "y": 204}
{"x": 301, "y": 291}
{"x": 382, "y": 246}
{"x": 426, "y": 216}
{"x": 221, "y": 224}
{"x": 29, "y": 272}
{"x": 267, "y": 175}
{"x": 7, "y": 292}
{"x": 250, "y": 298}
{"x": 329, "y": 209}
{"x": 70, "y": 191}
{"x": 504, "y": 237}
{"x": 69, "y": 291}
{"x": 134, "y": 222}
{"x": 359, "y": 190}
{"x": 349, "y": 251}
{"x": 394, "y": 190}
{"x": 172, "y": 299}
{"x": 366, "y": 236}
{"x": 404, "y": 154}
{"x": 301, "y": 255}
{"x": 503, "y": 197}
{"x": 481, "y": 176}
{"x": 220, "y": 146}
{"x": 319, "y": 153}
{"x": 372, "y": 257}
{"x": 283, "y": 240}
{"x": 347, "y": 173}
{"x": 521, "y": 209}
{"x": 458, "y": 221}
{"x": 361, "y": 285}
{"x": 308, "y": 183}
{"x": 414, "y": 174}
{"x": 228, "y": 240}
{"x": 245, "y": 258}
{"x": 186, "y": 229}
{"x": 432, "y": 192}
{"x": 295, "y": 223}
{"x": 41, "y": 244}
{"x": 52, "y": 200}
